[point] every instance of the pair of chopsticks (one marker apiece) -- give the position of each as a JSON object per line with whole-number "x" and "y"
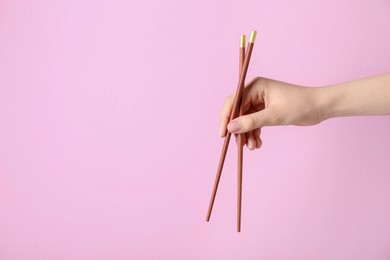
{"x": 244, "y": 59}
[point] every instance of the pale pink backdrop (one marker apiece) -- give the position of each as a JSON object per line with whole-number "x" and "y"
{"x": 109, "y": 116}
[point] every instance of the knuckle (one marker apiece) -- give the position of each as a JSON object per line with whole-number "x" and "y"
{"x": 228, "y": 102}
{"x": 229, "y": 99}
{"x": 227, "y": 105}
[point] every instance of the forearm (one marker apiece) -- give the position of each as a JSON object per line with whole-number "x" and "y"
{"x": 369, "y": 96}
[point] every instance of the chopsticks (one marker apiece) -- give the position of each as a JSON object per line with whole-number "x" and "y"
{"x": 244, "y": 64}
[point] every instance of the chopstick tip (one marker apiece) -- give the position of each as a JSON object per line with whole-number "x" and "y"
{"x": 242, "y": 41}
{"x": 253, "y": 36}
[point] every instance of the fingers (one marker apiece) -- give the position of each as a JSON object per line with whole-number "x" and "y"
{"x": 252, "y": 121}
{"x": 256, "y": 134}
{"x": 251, "y": 141}
{"x": 252, "y": 98}
{"x": 225, "y": 115}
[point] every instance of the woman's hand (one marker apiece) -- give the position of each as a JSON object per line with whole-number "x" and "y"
{"x": 268, "y": 102}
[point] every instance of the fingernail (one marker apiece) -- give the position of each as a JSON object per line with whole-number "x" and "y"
{"x": 234, "y": 127}
{"x": 251, "y": 146}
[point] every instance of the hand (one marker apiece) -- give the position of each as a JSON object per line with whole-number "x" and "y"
{"x": 268, "y": 102}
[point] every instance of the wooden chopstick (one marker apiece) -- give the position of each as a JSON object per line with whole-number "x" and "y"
{"x": 240, "y": 143}
{"x": 233, "y": 115}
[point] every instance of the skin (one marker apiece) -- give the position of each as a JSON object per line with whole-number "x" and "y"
{"x": 268, "y": 102}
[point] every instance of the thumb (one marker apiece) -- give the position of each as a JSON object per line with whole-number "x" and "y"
{"x": 252, "y": 121}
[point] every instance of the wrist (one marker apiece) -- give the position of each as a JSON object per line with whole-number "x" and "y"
{"x": 327, "y": 102}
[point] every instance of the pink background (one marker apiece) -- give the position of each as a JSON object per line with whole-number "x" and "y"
{"x": 109, "y": 116}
